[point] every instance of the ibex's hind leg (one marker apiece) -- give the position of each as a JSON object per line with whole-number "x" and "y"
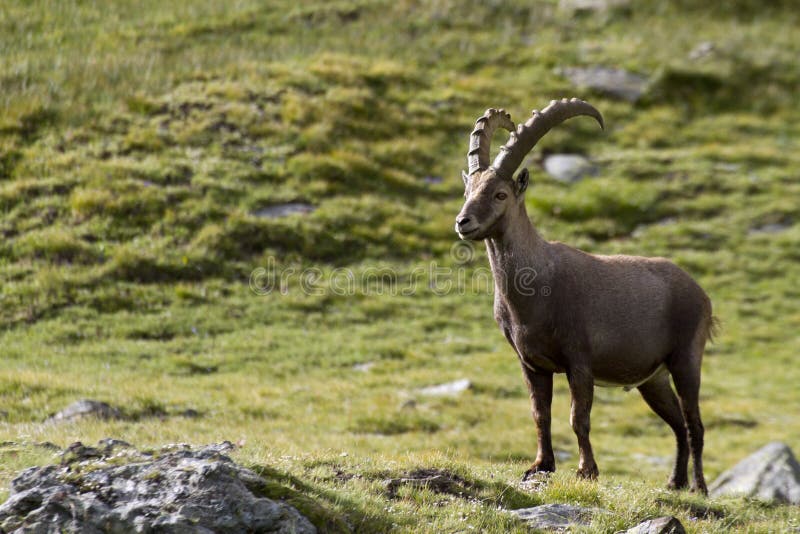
{"x": 659, "y": 396}
{"x": 581, "y": 386}
{"x": 685, "y": 369}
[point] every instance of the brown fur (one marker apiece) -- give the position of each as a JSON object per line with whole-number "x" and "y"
{"x": 608, "y": 320}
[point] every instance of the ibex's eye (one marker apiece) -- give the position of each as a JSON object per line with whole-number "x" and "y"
{"x": 500, "y": 196}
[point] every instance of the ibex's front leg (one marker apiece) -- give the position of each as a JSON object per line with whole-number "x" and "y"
{"x": 581, "y": 386}
{"x": 540, "y": 386}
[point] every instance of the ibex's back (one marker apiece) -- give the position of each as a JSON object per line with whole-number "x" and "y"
{"x": 608, "y": 320}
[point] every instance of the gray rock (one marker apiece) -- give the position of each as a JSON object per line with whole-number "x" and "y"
{"x": 556, "y": 516}
{"x": 660, "y": 525}
{"x": 617, "y": 83}
{"x": 568, "y": 168}
{"x": 282, "y": 210}
{"x": 181, "y": 491}
{"x": 85, "y": 408}
{"x": 771, "y": 474}
{"x": 449, "y": 388}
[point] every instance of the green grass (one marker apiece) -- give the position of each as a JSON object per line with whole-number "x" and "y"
{"x": 138, "y": 141}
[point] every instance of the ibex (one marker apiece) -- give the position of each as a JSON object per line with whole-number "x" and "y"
{"x": 603, "y": 320}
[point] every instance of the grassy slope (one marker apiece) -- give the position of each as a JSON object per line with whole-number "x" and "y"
{"x": 136, "y": 142}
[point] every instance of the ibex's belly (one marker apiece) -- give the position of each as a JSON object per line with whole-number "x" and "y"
{"x": 628, "y": 359}
{"x": 630, "y": 382}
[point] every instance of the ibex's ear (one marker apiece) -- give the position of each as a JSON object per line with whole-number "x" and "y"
{"x": 522, "y": 181}
{"x": 465, "y": 178}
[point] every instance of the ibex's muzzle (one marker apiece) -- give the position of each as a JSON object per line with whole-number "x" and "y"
{"x": 465, "y": 224}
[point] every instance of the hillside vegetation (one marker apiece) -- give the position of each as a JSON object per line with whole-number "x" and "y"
{"x": 140, "y": 140}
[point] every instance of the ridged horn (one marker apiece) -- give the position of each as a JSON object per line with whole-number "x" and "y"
{"x": 528, "y": 134}
{"x": 481, "y": 137}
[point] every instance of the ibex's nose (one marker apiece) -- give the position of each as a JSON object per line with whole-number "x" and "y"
{"x": 465, "y": 224}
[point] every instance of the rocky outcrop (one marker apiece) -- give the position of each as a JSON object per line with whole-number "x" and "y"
{"x": 771, "y": 474}
{"x": 115, "y": 488}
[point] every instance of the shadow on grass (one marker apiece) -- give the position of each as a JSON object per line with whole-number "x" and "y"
{"x": 329, "y": 510}
{"x": 332, "y": 510}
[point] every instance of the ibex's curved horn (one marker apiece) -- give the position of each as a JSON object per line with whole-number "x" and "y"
{"x": 528, "y": 134}
{"x": 481, "y": 137}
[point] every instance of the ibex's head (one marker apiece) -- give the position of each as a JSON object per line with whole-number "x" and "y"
{"x": 492, "y": 193}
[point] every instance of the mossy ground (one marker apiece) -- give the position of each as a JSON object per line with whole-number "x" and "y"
{"x": 138, "y": 141}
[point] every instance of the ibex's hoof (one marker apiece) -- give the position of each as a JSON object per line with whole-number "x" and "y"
{"x": 700, "y": 487}
{"x": 677, "y": 484}
{"x": 588, "y": 473}
{"x": 538, "y": 472}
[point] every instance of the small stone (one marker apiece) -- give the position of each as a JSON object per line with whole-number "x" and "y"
{"x": 108, "y": 445}
{"x": 282, "y": 210}
{"x": 78, "y": 452}
{"x": 660, "y": 525}
{"x": 410, "y": 404}
{"x": 592, "y": 5}
{"x": 556, "y": 516}
{"x": 449, "y": 388}
{"x": 727, "y": 167}
{"x": 568, "y": 168}
{"x": 701, "y": 50}
{"x": 85, "y": 408}
{"x": 363, "y": 367}
{"x": 652, "y": 459}
{"x": 772, "y": 228}
{"x": 562, "y": 456}
{"x": 770, "y": 474}
{"x": 436, "y": 480}
{"x": 617, "y": 83}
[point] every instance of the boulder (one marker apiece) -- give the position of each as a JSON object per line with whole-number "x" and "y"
{"x": 556, "y": 516}
{"x": 771, "y": 474}
{"x": 617, "y": 83}
{"x": 173, "y": 491}
{"x": 659, "y": 525}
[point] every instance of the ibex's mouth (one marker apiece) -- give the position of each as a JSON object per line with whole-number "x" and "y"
{"x": 468, "y": 234}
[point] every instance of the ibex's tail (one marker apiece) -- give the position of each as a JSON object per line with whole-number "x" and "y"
{"x": 714, "y": 328}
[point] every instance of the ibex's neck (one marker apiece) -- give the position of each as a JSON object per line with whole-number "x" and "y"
{"x": 518, "y": 252}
